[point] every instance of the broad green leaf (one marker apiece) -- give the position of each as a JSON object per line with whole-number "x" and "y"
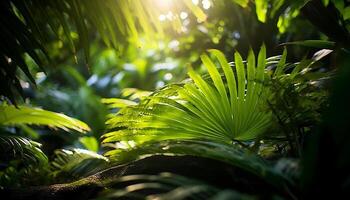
{"x": 12, "y": 116}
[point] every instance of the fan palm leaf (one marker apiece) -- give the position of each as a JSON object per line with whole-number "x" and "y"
{"x": 221, "y": 108}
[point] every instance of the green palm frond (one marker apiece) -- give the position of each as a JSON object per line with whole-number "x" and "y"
{"x": 223, "y": 108}
{"x": 76, "y": 163}
{"x": 168, "y": 186}
{"x": 208, "y": 149}
{"x": 12, "y": 116}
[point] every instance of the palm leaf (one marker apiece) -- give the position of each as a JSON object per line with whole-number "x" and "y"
{"x": 203, "y": 109}
{"x": 12, "y": 116}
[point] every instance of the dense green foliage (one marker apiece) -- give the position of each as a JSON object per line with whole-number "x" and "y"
{"x": 259, "y": 85}
{"x": 197, "y": 110}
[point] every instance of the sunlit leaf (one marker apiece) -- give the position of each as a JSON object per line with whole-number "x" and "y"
{"x": 224, "y": 108}
{"x": 261, "y": 7}
{"x": 12, "y": 116}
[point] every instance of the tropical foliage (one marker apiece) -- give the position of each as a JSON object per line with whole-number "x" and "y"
{"x": 174, "y": 99}
{"x": 200, "y": 110}
{"x": 19, "y": 150}
{"x": 27, "y": 29}
{"x": 115, "y": 23}
{"x": 23, "y": 115}
{"x": 232, "y": 105}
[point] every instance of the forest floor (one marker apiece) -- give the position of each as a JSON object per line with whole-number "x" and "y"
{"x": 209, "y": 171}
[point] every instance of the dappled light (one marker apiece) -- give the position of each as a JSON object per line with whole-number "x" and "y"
{"x": 174, "y": 99}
